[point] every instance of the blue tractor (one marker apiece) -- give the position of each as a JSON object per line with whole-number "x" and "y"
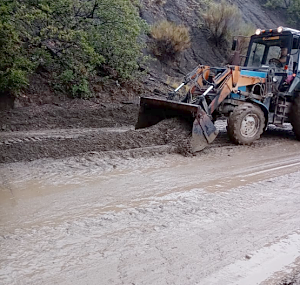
{"x": 264, "y": 90}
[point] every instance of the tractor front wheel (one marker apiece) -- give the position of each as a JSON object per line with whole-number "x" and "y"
{"x": 245, "y": 124}
{"x": 295, "y": 116}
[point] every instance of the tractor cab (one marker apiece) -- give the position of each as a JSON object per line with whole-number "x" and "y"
{"x": 277, "y": 48}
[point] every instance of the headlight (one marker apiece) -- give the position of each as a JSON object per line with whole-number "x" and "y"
{"x": 258, "y": 32}
{"x": 279, "y": 29}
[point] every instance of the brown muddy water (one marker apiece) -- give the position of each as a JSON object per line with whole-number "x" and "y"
{"x": 228, "y": 216}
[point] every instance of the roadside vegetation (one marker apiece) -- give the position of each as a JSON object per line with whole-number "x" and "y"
{"x": 71, "y": 40}
{"x": 222, "y": 21}
{"x": 74, "y": 43}
{"x": 169, "y": 39}
{"x": 291, "y": 8}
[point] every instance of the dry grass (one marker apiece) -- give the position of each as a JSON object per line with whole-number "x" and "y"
{"x": 159, "y": 2}
{"x": 221, "y": 20}
{"x": 169, "y": 39}
{"x": 244, "y": 33}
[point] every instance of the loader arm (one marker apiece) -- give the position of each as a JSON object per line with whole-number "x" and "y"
{"x": 225, "y": 86}
{"x": 201, "y": 71}
{"x": 198, "y": 75}
{"x": 228, "y": 82}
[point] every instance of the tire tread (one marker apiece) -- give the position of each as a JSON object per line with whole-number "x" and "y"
{"x": 234, "y": 123}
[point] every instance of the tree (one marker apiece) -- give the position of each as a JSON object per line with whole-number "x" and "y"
{"x": 72, "y": 39}
{"x": 292, "y": 8}
{"x": 279, "y": 3}
{"x": 14, "y": 67}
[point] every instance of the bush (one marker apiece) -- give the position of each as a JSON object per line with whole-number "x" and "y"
{"x": 222, "y": 21}
{"x": 71, "y": 39}
{"x": 294, "y": 13}
{"x": 159, "y": 2}
{"x": 118, "y": 37}
{"x": 14, "y": 66}
{"x": 279, "y": 3}
{"x": 292, "y": 8}
{"x": 169, "y": 39}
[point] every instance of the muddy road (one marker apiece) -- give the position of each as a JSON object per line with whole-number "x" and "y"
{"x": 147, "y": 215}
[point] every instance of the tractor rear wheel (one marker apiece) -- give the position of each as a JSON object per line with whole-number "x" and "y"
{"x": 295, "y": 116}
{"x": 245, "y": 124}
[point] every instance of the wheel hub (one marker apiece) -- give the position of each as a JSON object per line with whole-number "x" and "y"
{"x": 250, "y": 125}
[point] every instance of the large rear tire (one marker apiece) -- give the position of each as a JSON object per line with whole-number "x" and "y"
{"x": 295, "y": 116}
{"x": 245, "y": 124}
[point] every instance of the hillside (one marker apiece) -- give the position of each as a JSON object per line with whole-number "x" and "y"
{"x": 161, "y": 75}
{"x": 202, "y": 51}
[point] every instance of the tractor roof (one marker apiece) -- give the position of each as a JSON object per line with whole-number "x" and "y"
{"x": 278, "y": 31}
{"x": 293, "y": 31}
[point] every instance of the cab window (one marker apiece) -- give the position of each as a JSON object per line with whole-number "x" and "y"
{"x": 274, "y": 52}
{"x": 256, "y": 55}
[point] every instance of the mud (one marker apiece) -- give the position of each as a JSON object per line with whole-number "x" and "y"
{"x": 86, "y": 199}
{"x": 169, "y": 136}
{"x": 228, "y": 216}
{"x": 292, "y": 279}
{"x": 65, "y": 143}
{"x": 69, "y": 114}
{"x": 112, "y": 205}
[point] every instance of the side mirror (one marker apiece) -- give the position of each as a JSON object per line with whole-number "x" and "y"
{"x": 234, "y": 44}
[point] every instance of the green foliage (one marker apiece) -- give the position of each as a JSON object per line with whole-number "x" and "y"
{"x": 71, "y": 39}
{"x": 14, "y": 67}
{"x": 294, "y": 13}
{"x": 117, "y": 37}
{"x": 278, "y": 3}
{"x": 292, "y": 8}
{"x": 169, "y": 39}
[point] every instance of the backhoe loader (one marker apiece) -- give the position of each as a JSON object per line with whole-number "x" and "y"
{"x": 264, "y": 90}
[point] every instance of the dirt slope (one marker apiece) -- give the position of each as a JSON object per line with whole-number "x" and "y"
{"x": 68, "y": 114}
{"x": 202, "y": 51}
{"x": 253, "y": 12}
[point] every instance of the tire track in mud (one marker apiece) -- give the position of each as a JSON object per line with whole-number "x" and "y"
{"x": 172, "y": 132}
{"x": 253, "y": 164}
{"x": 21, "y": 140}
{"x": 8, "y": 138}
{"x": 172, "y": 135}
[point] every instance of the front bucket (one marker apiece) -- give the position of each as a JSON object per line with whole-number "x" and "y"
{"x": 204, "y": 131}
{"x": 154, "y": 110}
